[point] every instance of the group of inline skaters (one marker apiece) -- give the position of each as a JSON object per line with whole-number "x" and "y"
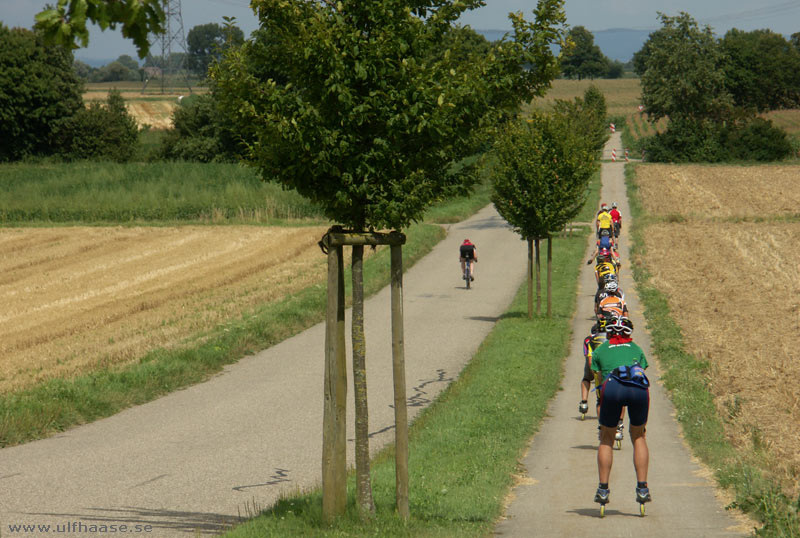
{"x": 615, "y": 364}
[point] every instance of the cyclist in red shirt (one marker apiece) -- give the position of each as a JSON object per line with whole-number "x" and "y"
{"x": 616, "y": 219}
{"x": 465, "y": 251}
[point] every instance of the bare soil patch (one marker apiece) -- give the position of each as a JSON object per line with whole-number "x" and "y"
{"x": 75, "y": 299}
{"x": 735, "y": 292}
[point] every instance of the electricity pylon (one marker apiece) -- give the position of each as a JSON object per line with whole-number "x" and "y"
{"x": 167, "y": 66}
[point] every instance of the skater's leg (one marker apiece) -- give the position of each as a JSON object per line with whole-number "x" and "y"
{"x": 641, "y": 454}
{"x": 605, "y": 453}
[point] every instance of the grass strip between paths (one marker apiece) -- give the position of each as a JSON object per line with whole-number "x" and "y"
{"x": 687, "y": 378}
{"x": 464, "y": 449}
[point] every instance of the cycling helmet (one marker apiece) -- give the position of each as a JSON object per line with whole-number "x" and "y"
{"x": 614, "y": 204}
{"x": 604, "y": 253}
{"x": 466, "y": 242}
{"x": 611, "y": 286}
{"x": 621, "y": 325}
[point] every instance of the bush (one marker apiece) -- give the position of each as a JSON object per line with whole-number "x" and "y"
{"x": 200, "y": 133}
{"x": 686, "y": 141}
{"x": 758, "y": 140}
{"x": 100, "y": 132}
{"x": 751, "y": 139}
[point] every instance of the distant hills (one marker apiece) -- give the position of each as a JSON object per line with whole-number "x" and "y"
{"x": 616, "y": 43}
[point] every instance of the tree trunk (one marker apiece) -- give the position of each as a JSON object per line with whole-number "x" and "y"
{"x": 399, "y": 377}
{"x": 366, "y": 505}
{"x": 530, "y": 278}
{"x": 538, "y": 280}
{"x": 549, "y": 275}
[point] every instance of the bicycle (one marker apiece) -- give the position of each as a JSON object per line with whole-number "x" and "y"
{"x": 468, "y": 272}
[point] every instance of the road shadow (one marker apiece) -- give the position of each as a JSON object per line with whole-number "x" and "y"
{"x": 485, "y": 224}
{"x": 192, "y": 523}
{"x": 594, "y": 512}
{"x": 585, "y": 447}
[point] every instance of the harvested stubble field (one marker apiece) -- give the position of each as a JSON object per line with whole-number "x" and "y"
{"x": 734, "y": 290}
{"x": 78, "y": 298}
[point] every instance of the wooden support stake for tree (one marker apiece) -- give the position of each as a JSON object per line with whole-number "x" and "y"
{"x": 530, "y": 278}
{"x": 334, "y": 455}
{"x": 399, "y": 370}
{"x": 549, "y": 275}
{"x": 538, "y": 280}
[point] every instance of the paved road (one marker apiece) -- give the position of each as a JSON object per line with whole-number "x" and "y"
{"x": 556, "y": 499}
{"x": 194, "y": 460}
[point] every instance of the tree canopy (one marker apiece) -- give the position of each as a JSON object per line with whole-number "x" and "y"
{"x": 683, "y": 73}
{"x": 542, "y": 166}
{"x": 206, "y": 42}
{"x": 583, "y": 59}
{"x": 38, "y": 90}
{"x": 65, "y": 23}
{"x": 762, "y": 69}
{"x": 347, "y": 103}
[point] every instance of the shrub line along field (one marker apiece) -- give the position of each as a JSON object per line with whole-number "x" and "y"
{"x": 721, "y": 245}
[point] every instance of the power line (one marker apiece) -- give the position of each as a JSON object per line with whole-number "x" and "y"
{"x": 759, "y": 13}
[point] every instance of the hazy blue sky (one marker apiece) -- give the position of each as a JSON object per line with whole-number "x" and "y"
{"x": 778, "y": 15}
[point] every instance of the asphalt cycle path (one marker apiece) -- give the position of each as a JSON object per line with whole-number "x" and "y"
{"x": 556, "y": 498}
{"x": 195, "y": 460}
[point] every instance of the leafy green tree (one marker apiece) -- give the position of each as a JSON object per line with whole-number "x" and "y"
{"x": 762, "y": 71}
{"x": 65, "y": 23}
{"x": 101, "y": 131}
{"x": 587, "y": 117}
{"x": 583, "y": 59}
{"x": 541, "y": 170}
{"x": 206, "y": 43}
{"x": 684, "y": 73}
{"x": 38, "y": 89}
{"x": 366, "y": 123}
{"x": 464, "y": 44}
{"x": 128, "y": 62}
{"x": 615, "y": 69}
{"x": 365, "y": 119}
{"x": 795, "y": 40}
{"x": 82, "y": 70}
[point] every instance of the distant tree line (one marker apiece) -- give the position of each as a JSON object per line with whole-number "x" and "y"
{"x": 205, "y": 43}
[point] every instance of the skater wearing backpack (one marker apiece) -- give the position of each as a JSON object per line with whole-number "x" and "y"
{"x": 619, "y": 365}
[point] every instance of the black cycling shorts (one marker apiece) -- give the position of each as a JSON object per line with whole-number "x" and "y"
{"x": 615, "y": 396}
